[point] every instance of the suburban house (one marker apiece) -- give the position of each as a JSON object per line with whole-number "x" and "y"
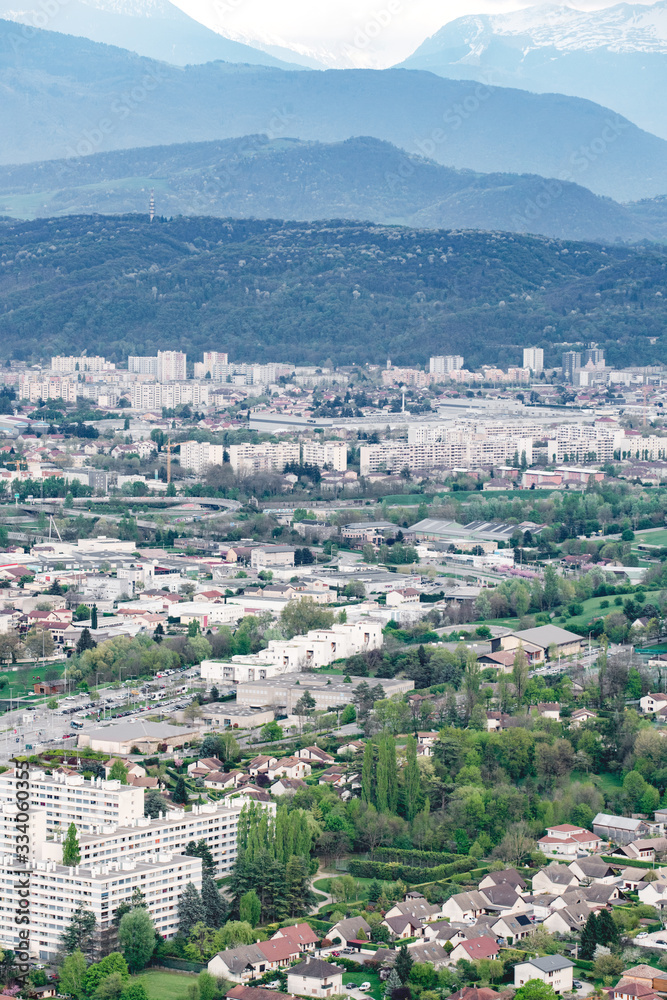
{"x": 402, "y": 927}
{"x": 315, "y": 756}
{"x": 643, "y": 850}
{"x": 554, "y": 970}
{"x": 302, "y": 936}
{"x": 554, "y": 878}
{"x": 419, "y": 908}
{"x": 315, "y": 978}
{"x": 652, "y": 703}
{"x": 568, "y": 841}
{"x": 513, "y": 928}
{"x": 581, "y": 715}
{"x": 509, "y": 876}
{"x": 475, "y": 948}
{"x": 594, "y": 869}
{"x": 348, "y": 930}
{"x": 568, "y": 920}
{"x": 465, "y": 906}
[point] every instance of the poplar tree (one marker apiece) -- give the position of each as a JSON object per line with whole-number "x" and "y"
{"x": 367, "y": 774}
{"x": 411, "y": 780}
{"x": 71, "y": 849}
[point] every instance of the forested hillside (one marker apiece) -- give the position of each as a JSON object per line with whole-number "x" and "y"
{"x": 362, "y": 178}
{"x": 307, "y": 292}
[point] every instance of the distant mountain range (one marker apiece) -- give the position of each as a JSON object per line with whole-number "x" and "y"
{"x": 153, "y": 28}
{"x": 66, "y": 97}
{"x": 616, "y": 56}
{"x": 359, "y": 179}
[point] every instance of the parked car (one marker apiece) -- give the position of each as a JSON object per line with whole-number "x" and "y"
{"x": 273, "y": 985}
{"x": 365, "y": 986}
{"x": 642, "y": 934}
{"x": 577, "y": 984}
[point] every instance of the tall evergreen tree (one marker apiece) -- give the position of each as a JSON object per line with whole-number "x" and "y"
{"x": 93, "y": 617}
{"x": 300, "y": 896}
{"x": 180, "y": 792}
{"x": 214, "y": 905}
{"x": 367, "y": 774}
{"x": 589, "y": 938}
{"x": 403, "y": 964}
{"x": 190, "y": 910}
{"x": 382, "y": 777}
{"x": 607, "y": 931}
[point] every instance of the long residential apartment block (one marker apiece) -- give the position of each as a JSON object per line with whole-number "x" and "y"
{"x": 214, "y": 822}
{"x": 70, "y": 798}
{"x": 470, "y": 449}
{"x": 56, "y": 891}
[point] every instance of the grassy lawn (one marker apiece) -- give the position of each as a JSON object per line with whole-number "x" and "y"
{"x": 608, "y": 783}
{"x": 652, "y": 537}
{"x": 161, "y": 985}
{"x": 26, "y": 672}
{"x": 366, "y": 976}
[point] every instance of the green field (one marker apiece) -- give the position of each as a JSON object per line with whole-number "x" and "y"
{"x": 366, "y": 976}
{"x": 161, "y": 985}
{"x": 21, "y": 681}
{"x": 652, "y": 537}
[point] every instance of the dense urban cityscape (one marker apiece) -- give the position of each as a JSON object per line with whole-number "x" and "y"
{"x": 334, "y": 680}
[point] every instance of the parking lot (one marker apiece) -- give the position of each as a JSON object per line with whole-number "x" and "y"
{"x": 656, "y": 939}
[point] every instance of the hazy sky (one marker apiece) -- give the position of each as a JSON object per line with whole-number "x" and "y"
{"x": 374, "y": 33}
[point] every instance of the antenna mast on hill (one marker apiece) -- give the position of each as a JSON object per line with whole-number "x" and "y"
{"x": 151, "y": 206}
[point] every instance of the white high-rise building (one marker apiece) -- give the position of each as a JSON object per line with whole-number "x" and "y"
{"x": 265, "y": 457}
{"x": 71, "y": 798}
{"x": 171, "y": 366}
{"x": 64, "y": 365}
{"x": 199, "y": 456}
{"x": 142, "y": 365}
{"x": 56, "y": 891}
{"x": 445, "y": 363}
{"x": 333, "y": 453}
{"x": 533, "y": 358}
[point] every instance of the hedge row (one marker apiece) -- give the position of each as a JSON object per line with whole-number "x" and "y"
{"x": 628, "y": 862}
{"x": 393, "y": 872}
{"x": 418, "y": 859}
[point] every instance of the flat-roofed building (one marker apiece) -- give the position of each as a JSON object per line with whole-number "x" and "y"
{"x": 56, "y": 891}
